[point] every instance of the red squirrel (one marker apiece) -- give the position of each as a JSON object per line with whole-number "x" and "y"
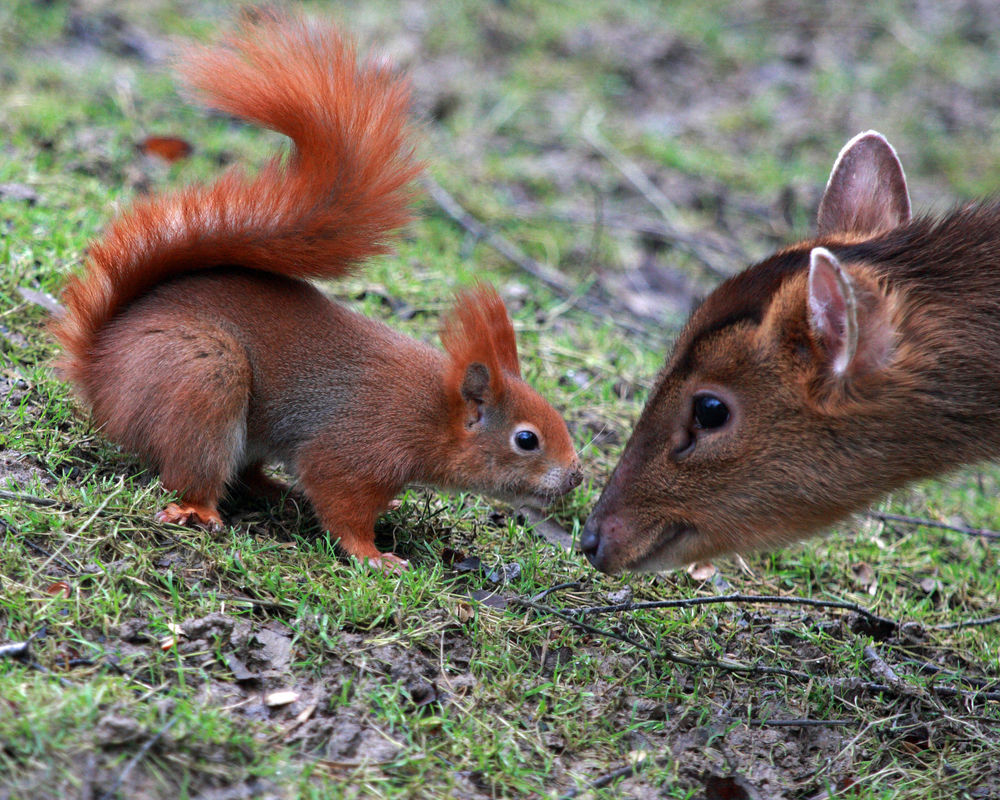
{"x": 197, "y": 344}
{"x": 810, "y": 384}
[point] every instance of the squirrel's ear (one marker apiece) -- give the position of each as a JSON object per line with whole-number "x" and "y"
{"x": 476, "y": 392}
{"x": 867, "y": 191}
{"x": 478, "y": 336}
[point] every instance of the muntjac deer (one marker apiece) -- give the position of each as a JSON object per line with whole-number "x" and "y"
{"x": 810, "y": 384}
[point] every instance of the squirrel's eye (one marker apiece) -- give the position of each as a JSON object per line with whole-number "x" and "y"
{"x": 710, "y": 412}
{"x": 526, "y": 440}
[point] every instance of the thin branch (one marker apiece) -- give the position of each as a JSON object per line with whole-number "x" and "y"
{"x": 550, "y": 277}
{"x": 14, "y": 650}
{"x": 966, "y": 623}
{"x": 110, "y": 793}
{"x": 546, "y": 274}
{"x": 845, "y": 685}
{"x": 933, "y": 669}
{"x": 653, "y": 194}
{"x": 43, "y": 502}
{"x": 740, "y": 598}
{"x": 795, "y": 723}
{"x": 537, "y": 598}
{"x": 665, "y": 654}
{"x": 604, "y": 780}
{"x": 38, "y": 548}
{"x": 880, "y": 669}
{"x": 922, "y": 522}
{"x": 648, "y": 228}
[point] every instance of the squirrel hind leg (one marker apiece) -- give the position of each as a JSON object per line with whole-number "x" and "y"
{"x": 176, "y": 391}
{"x": 206, "y": 516}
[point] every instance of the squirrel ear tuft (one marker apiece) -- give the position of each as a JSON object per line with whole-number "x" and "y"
{"x": 479, "y": 333}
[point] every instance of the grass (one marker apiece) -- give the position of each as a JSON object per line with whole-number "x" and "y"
{"x": 437, "y": 683}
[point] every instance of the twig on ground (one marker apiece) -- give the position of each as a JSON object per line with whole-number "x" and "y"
{"x": 634, "y": 175}
{"x": 110, "y": 793}
{"x": 550, "y": 277}
{"x": 14, "y": 650}
{"x": 43, "y": 502}
{"x": 604, "y": 780}
{"x": 739, "y": 598}
{"x": 648, "y": 228}
{"x": 880, "y": 669}
{"x": 79, "y": 531}
{"x": 546, "y": 274}
{"x": 846, "y": 685}
{"x": 43, "y": 552}
{"x": 966, "y": 623}
{"x": 537, "y": 598}
{"x": 922, "y": 522}
{"x": 39, "y": 549}
{"x": 933, "y": 669}
{"x": 794, "y": 723}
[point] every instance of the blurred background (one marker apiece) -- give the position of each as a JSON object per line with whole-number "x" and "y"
{"x": 648, "y": 147}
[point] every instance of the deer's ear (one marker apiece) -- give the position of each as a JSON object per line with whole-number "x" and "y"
{"x": 833, "y": 309}
{"x": 867, "y": 191}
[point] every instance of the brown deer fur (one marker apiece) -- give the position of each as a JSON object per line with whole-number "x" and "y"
{"x": 197, "y": 345}
{"x": 850, "y": 365}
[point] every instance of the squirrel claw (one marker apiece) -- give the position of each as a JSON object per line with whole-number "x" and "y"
{"x": 389, "y": 563}
{"x": 191, "y": 515}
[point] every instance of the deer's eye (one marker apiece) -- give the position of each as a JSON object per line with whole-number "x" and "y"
{"x": 710, "y": 412}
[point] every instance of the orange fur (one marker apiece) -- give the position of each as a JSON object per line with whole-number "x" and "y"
{"x": 198, "y": 346}
{"x": 316, "y": 213}
{"x": 478, "y": 329}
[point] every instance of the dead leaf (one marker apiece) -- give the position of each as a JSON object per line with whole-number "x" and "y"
{"x": 169, "y": 148}
{"x": 490, "y": 599}
{"x": 506, "y": 573}
{"x": 281, "y": 698}
{"x": 57, "y": 588}
{"x": 305, "y": 713}
{"x": 464, "y": 611}
{"x": 450, "y": 556}
{"x": 470, "y": 564}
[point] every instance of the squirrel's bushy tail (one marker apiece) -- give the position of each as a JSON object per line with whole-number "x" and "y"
{"x": 314, "y": 213}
